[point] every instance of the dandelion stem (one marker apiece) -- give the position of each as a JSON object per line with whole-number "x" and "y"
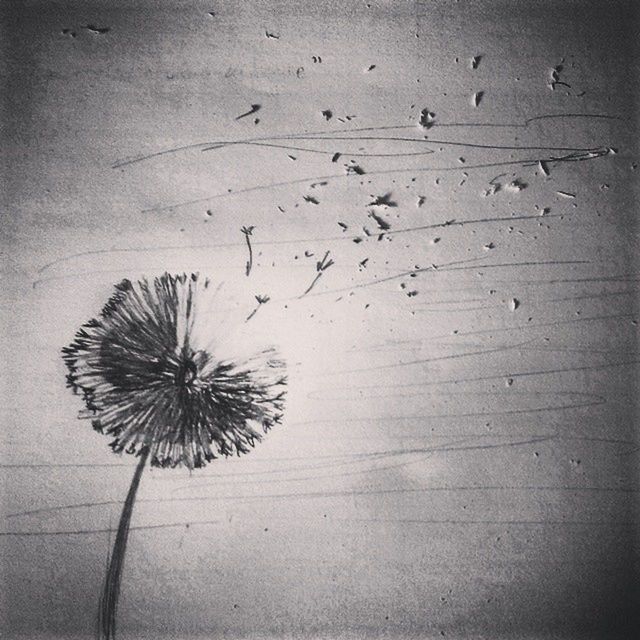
{"x": 111, "y": 590}
{"x": 250, "y": 260}
{"x": 313, "y": 283}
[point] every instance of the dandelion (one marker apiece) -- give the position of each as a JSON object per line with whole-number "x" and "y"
{"x": 151, "y": 382}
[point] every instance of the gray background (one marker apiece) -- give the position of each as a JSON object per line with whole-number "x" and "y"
{"x": 413, "y": 490}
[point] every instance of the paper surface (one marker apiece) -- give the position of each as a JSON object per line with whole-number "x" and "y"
{"x": 458, "y": 455}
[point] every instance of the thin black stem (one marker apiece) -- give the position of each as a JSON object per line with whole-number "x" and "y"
{"x": 111, "y": 590}
{"x": 312, "y": 284}
{"x": 250, "y": 261}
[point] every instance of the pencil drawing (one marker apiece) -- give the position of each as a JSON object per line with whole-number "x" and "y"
{"x": 396, "y": 243}
{"x": 150, "y": 380}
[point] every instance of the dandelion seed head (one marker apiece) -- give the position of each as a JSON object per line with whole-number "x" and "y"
{"x": 151, "y": 375}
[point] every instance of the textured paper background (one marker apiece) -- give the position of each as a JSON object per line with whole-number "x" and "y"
{"x": 413, "y": 490}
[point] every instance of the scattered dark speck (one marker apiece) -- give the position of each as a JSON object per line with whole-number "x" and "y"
{"x": 310, "y": 199}
{"x": 97, "y": 30}
{"x": 380, "y": 221}
{"x": 427, "y": 118}
{"x": 254, "y": 109}
{"x": 516, "y": 185}
{"x": 272, "y": 36}
{"x": 328, "y": 114}
{"x": 335, "y": 157}
{"x": 383, "y": 201}
{"x": 353, "y": 168}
